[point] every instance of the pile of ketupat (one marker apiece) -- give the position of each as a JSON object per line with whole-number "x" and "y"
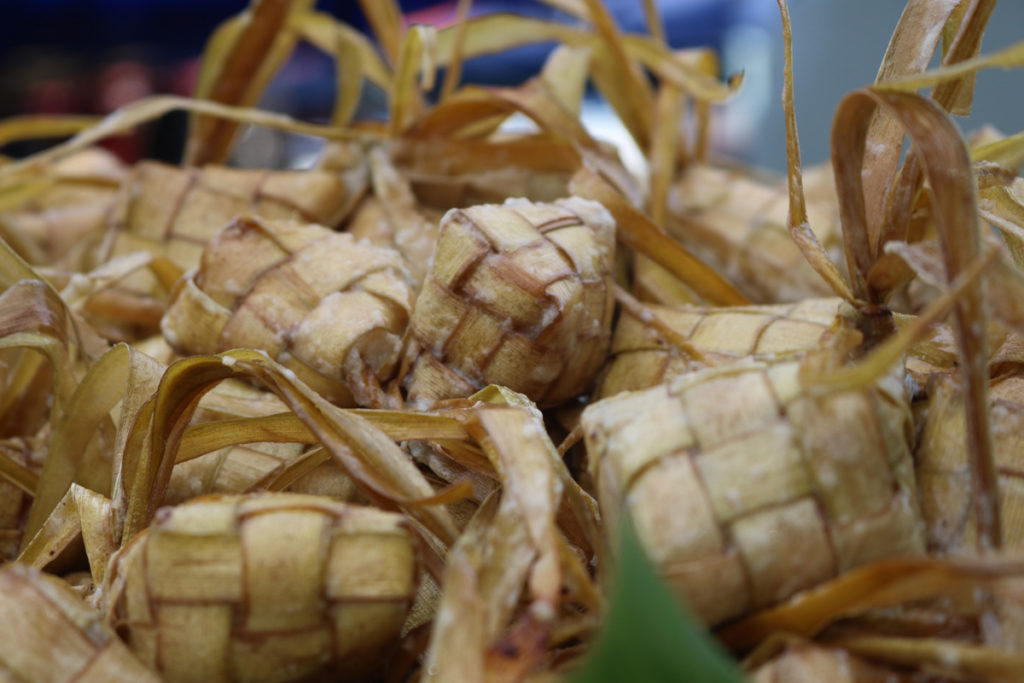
{"x": 384, "y": 419}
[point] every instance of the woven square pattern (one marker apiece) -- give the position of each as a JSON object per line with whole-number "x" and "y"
{"x": 738, "y": 224}
{"x": 641, "y": 358}
{"x": 746, "y": 488}
{"x": 269, "y": 587}
{"x": 331, "y": 309}
{"x": 519, "y": 294}
{"x": 174, "y": 212}
{"x": 53, "y": 636}
{"x": 943, "y": 474}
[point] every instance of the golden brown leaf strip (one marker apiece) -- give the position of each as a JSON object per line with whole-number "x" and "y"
{"x": 505, "y": 544}
{"x": 292, "y": 471}
{"x": 35, "y": 126}
{"x": 460, "y": 634}
{"x": 630, "y": 94}
{"x": 910, "y": 49}
{"x": 694, "y": 80}
{"x": 1008, "y": 152}
{"x": 638, "y": 232}
{"x": 364, "y": 452}
{"x": 663, "y": 153}
{"x": 16, "y": 473}
{"x": 655, "y": 27}
{"x": 565, "y": 76}
{"x": 889, "y": 352}
{"x": 888, "y": 582}
{"x": 215, "y": 52}
{"x": 80, "y": 513}
{"x": 84, "y": 436}
{"x": 154, "y": 107}
{"x": 799, "y": 227}
{"x": 582, "y": 506}
{"x": 32, "y": 316}
{"x": 136, "y": 416}
{"x": 289, "y": 428}
{"x": 978, "y": 662}
{"x": 956, "y": 95}
{"x": 385, "y": 19}
{"x": 947, "y": 166}
{"x": 403, "y": 425}
{"x": 207, "y": 437}
{"x": 348, "y": 79}
{"x": 415, "y": 63}
{"x": 260, "y": 45}
{"x": 325, "y": 32}
{"x": 517, "y": 445}
{"x": 454, "y": 72}
{"x": 1008, "y": 58}
{"x": 962, "y": 40}
{"x": 497, "y": 32}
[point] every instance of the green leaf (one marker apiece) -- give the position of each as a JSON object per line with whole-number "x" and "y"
{"x": 647, "y": 635}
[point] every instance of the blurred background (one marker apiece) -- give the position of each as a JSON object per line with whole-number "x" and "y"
{"x": 92, "y": 56}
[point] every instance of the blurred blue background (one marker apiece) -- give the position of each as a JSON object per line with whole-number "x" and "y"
{"x": 79, "y": 56}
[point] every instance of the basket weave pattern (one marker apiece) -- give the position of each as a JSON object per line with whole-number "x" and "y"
{"x": 519, "y": 295}
{"x": 641, "y": 359}
{"x": 772, "y": 489}
{"x": 325, "y": 306}
{"x": 265, "y": 587}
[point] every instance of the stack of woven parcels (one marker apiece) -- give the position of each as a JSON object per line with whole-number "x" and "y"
{"x": 386, "y": 417}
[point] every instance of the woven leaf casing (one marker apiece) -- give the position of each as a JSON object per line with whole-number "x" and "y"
{"x": 746, "y": 487}
{"x": 265, "y": 587}
{"x": 942, "y": 471}
{"x": 737, "y": 224}
{"x": 329, "y": 308}
{"x": 640, "y": 358}
{"x": 63, "y": 222}
{"x": 519, "y": 294}
{"x": 51, "y": 635}
{"x": 174, "y": 212}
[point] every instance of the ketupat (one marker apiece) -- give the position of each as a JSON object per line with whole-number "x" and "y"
{"x": 331, "y": 309}
{"x": 942, "y": 467}
{"x": 266, "y": 587}
{"x": 746, "y": 486}
{"x": 35, "y": 608}
{"x": 174, "y": 212}
{"x": 738, "y": 224}
{"x": 641, "y": 357}
{"x": 63, "y": 220}
{"x": 519, "y": 295}
{"x": 529, "y": 640}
